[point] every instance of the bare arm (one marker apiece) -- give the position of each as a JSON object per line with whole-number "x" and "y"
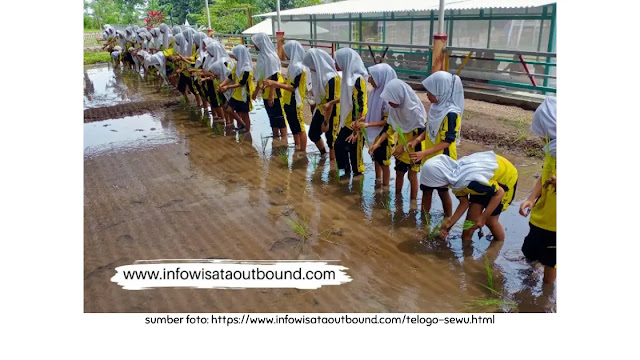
{"x": 447, "y": 224}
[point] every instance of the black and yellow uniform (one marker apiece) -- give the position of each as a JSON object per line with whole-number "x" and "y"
{"x": 540, "y": 243}
{"x": 332, "y": 91}
{"x": 449, "y": 132}
{"x": 194, "y": 79}
{"x": 347, "y": 152}
{"x": 185, "y": 77}
{"x": 382, "y": 155}
{"x": 241, "y": 98}
{"x": 292, "y": 109}
{"x": 276, "y": 112}
{"x": 128, "y": 57}
{"x": 216, "y": 99}
{"x": 505, "y": 176}
{"x": 403, "y": 162}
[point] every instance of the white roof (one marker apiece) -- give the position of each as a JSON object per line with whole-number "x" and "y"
{"x": 378, "y": 6}
{"x": 291, "y": 28}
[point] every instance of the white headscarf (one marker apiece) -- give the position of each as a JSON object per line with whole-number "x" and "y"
{"x": 120, "y": 39}
{"x": 188, "y": 38}
{"x": 544, "y": 123}
{"x": 410, "y": 114}
{"x": 129, "y": 34}
{"x": 176, "y": 30}
{"x": 156, "y": 40}
{"x": 158, "y": 61}
{"x": 295, "y": 53}
{"x": 218, "y": 51}
{"x": 243, "y": 60}
{"x": 447, "y": 88}
{"x": 178, "y": 45}
{"x": 441, "y": 170}
{"x": 268, "y": 62}
{"x": 376, "y": 106}
{"x": 164, "y": 33}
{"x": 198, "y": 39}
{"x": 352, "y": 68}
{"x": 221, "y": 71}
{"x": 322, "y": 69}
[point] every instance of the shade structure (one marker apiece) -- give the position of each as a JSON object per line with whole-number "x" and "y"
{"x": 297, "y": 28}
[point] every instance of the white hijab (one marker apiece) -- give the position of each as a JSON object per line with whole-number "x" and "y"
{"x": 376, "y": 106}
{"x": 352, "y": 69}
{"x": 129, "y": 34}
{"x": 120, "y": 39}
{"x": 198, "y": 39}
{"x": 410, "y": 114}
{"x": 217, "y": 51}
{"x": 268, "y": 62}
{"x": 322, "y": 69}
{"x": 158, "y": 61}
{"x": 178, "y": 45}
{"x": 187, "y": 49}
{"x": 176, "y": 30}
{"x": 544, "y": 123}
{"x": 295, "y": 53}
{"x": 156, "y": 40}
{"x": 243, "y": 60}
{"x": 447, "y": 88}
{"x": 441, "y": 170}
{"x": 164, "y": 32}
{"x": 219, "y": 69}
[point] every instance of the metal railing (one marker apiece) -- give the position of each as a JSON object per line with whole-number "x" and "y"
{"x": 497, "y": 69}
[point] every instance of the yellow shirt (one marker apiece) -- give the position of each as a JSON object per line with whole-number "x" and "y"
{"x": 332, "y": 91}
{"x": 505, "y": 176}
{"x": 278, "y": 93}
{"x": 243, "y": 93}
{"x": 359, "y": 99}
{"x": 543, "y": 214}
{"x": 299, "y": 83}
{"x": 449, "y": 132}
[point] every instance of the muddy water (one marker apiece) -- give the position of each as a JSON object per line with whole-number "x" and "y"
{"x": 184, "y": 190}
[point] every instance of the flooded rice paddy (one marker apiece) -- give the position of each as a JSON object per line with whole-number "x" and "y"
{"x": 172, "y": 184}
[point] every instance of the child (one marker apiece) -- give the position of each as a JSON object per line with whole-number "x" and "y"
{"x": 326, "y": 94}
{"x": 188, "y": 55}
{"x": 484, "y": 182}
{"x": 446, "y": 95}
{"x": 407, "y": 115}
{"x": 540, "y": 244}
{"x": 380, "y": 135}
{"x": 242, "y": 78}
{"x": 353, "y": 108}
{"x": 184, "y": 79}
{"x": 268, "y": 68}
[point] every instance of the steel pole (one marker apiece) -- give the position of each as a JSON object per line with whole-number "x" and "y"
{"x": 441, "y": 18}
{"x": 206, "y": 4}
{"x": 278, "y": 13}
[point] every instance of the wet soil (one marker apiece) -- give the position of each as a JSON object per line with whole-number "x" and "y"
{"x": 165, "y": 185}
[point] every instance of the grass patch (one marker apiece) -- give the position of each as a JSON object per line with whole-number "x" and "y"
{"x": 496, "y": 302}
{"x": 519, "y": 122}
{"x": 434, "y": 233}
{"x": 96, "y": 57}
{"x": 92, "y": 30}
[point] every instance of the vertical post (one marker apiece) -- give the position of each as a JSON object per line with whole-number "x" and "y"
{"x": 350, "y": 28}
{"x": 384, "y": 27}
{"x": 411, "y": 33}
{"x": 280, "y": 44}
{"x": 311, "y": 31}
{"x": 278, "y": 13}
{"x": 550, "y": 46}
{"x": 438, "y": 49}
{"x": 431, "y": 29}
{"x": 360, "y": 33}
{"x": 489, "y": 33}
{"x": 544, "y": 15}
{"x": 206, "y": 5}
{"x": 441, "y": 18}
{"x": 451, "y": 28}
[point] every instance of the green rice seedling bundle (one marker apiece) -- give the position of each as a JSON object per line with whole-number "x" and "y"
{"x": 468, "y": 224}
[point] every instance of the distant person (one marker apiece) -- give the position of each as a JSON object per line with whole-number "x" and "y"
{"x": 241, "y": 81}
{"x": 407, "y": 116}
{"x": 295, "y": 91}
{"x": 540, "y": 244}
{"x": 446, "y": 94}
{"x": 353, "y": 109}
{"x": 268, "y": 67}
{"x": 213, "y": 52}
{"x": 484, "y": 183}
{"x": 326, "y": 95}
{"x": 381, "y": 137}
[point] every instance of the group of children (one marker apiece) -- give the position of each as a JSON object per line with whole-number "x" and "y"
{"x": 391, "y": 120}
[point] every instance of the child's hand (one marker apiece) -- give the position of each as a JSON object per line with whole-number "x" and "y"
{"x": 399, "y": 151}
{"x": 552, "y": 182}
{"x": 352, "y": 138}
{"x": 525, "y": 207}
{"x": 373, "y": 148}
{"x": 417, "y": 156}
{"x": 479, "y": 223}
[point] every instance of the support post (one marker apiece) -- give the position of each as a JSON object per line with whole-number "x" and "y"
{"x": 550, "y": 46}
{"x": 280, "y": 44}
{"x": 206, "y": 4}
{"x": 439, "y": 53}
{"x": 278, "y": 13}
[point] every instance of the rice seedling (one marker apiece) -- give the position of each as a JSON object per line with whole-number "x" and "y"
{"x": 468, "y": 224}
{"x": 265, "y": 141}
{"x": 337, "y": 174}
{"x": 283, "y": 155}
{"x": 366, "y": 136}
{"x": 497, "y": 301}
{"x": 434, "y": 233}
{"x": 301, "y": 228}
{"x": 403, "y": 140}
{"x": 165, "y": 89}
{"x": 217, "y": 129}
{"x": 520, "y": 137}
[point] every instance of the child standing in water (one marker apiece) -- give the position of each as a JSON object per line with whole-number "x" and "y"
{"x": 380, "y": 135}
{"x": 326, "y": 95}
{"x": 241, "y": 81}
{"x": 268, "y": 68}
{"x": 484, "y": 182}
{"x": 295, "y": 91}
{"x": 540, "y": 243}
{"x": 446, "y": 95}
{"x": 353, "y": 108}
{"x": 408, "y": 116}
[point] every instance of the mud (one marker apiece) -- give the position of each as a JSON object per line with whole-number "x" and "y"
{"x": 183, "y": 191}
